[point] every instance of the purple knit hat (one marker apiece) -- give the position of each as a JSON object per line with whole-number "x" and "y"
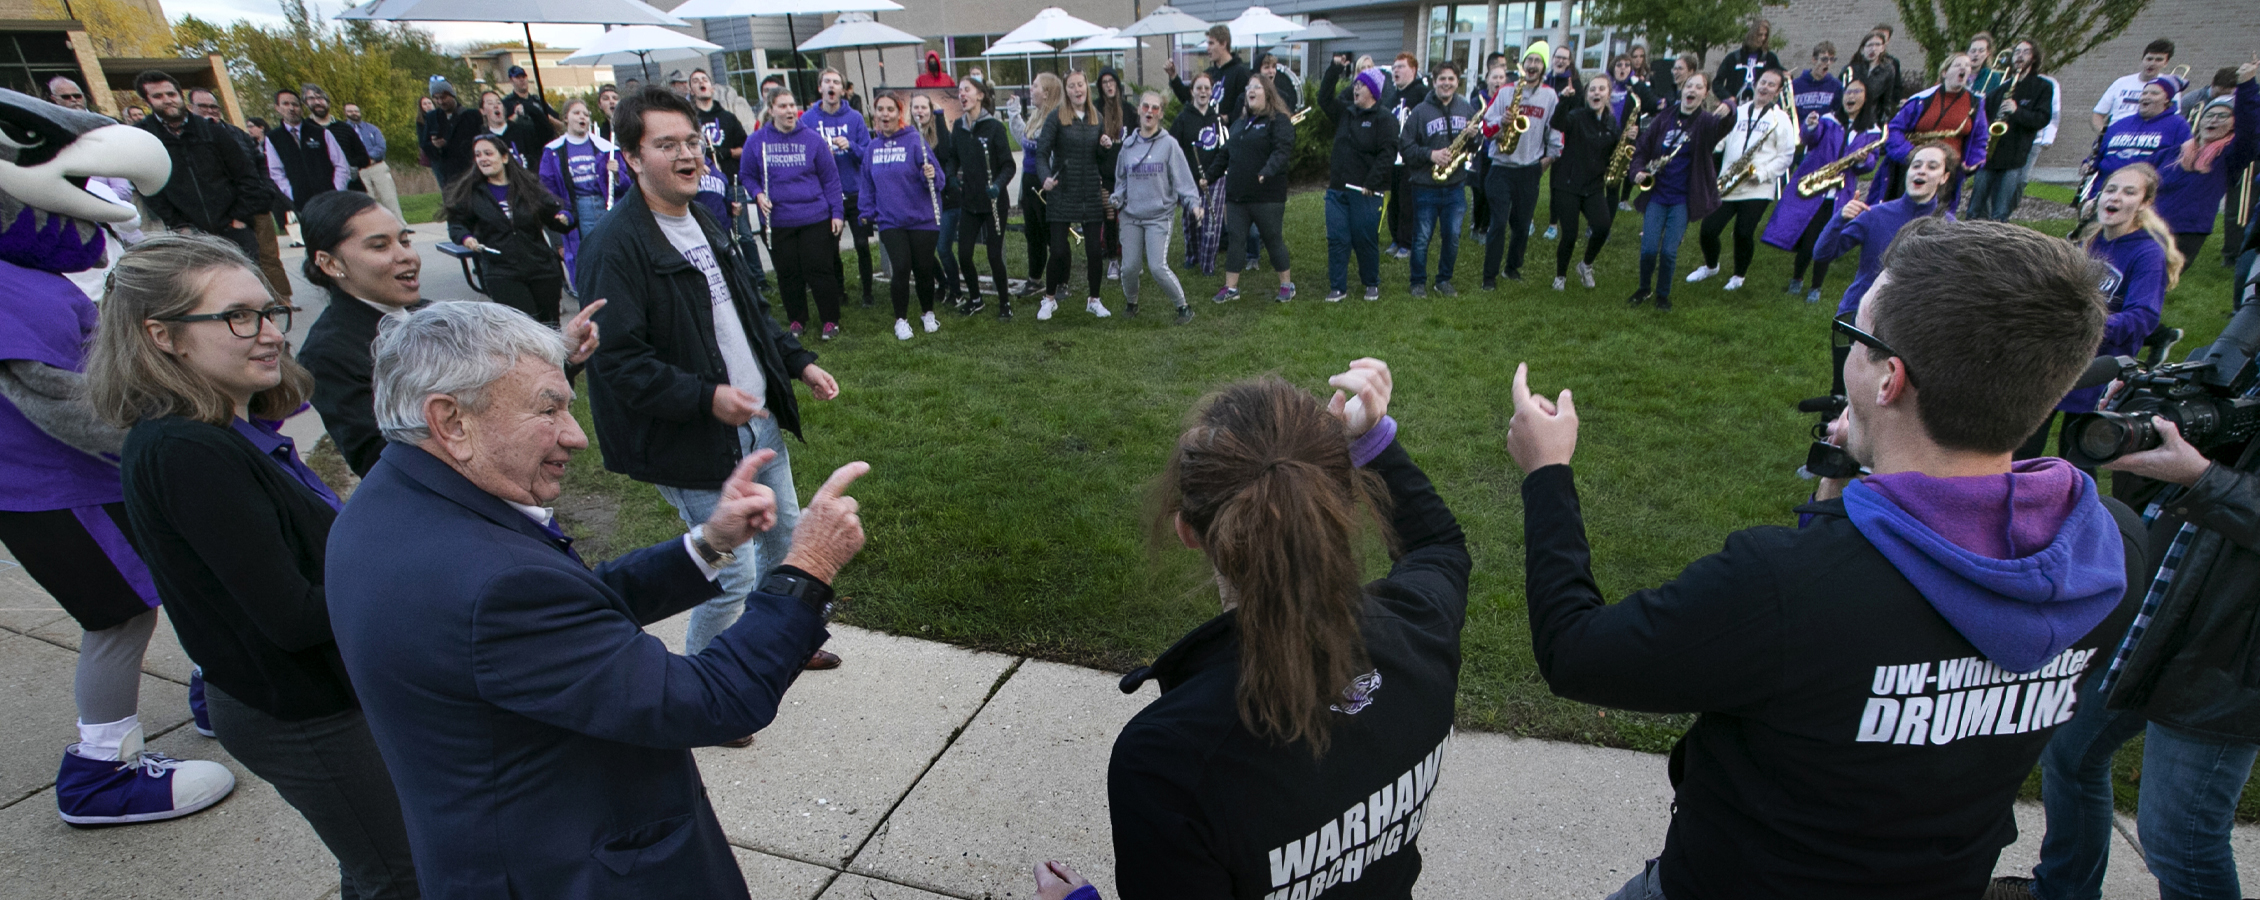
{"x": 1373, "y": 79}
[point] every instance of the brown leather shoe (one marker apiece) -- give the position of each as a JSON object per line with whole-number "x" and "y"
{"x": 739, "y": 743}
{"x": 824, "y": 659}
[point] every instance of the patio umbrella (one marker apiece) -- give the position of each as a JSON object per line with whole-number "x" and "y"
{"x": 1052, "y": 25}
{"x": 1319, "y": 30}
{"x": 1103, "y": 42}
{"x": 637, "y": 44}
{"x": 1164, "y": 21}
{"x": 525, "y": 13}
{"x": 731, "y": 9}
{"x": 857, "y": 30}
{"x": 1255, "y": 22}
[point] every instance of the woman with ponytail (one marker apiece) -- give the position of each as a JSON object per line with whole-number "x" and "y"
{"x": 1315, "y": 691}
{"x": 2140, "y": 266}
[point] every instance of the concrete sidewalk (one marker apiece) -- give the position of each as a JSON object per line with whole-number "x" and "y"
{"x": 918, "y": 770}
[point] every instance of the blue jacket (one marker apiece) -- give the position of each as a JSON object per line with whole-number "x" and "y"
{"x": 1872, "y": 232}
{"x": 539, "y": 739}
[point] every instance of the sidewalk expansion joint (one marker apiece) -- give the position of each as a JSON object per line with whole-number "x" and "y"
{"x": 886, "y": 818}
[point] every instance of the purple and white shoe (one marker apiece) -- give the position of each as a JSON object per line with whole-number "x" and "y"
{"x": 196, "y": 708}
{"x": 138, "y": 786}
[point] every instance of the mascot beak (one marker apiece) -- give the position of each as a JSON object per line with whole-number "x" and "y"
{"x": 118, "y": 151}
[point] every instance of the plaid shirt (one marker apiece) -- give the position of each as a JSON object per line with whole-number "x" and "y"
{"x": 2158, "y": 585}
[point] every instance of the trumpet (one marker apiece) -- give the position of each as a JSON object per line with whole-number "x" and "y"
{"x": 1831, "y": 176}
{"x": 1620, "y": 161}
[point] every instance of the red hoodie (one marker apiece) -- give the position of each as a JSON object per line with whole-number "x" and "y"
{"x": 934, "y": 77}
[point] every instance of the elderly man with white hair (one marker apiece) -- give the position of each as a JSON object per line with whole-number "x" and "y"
{"x": 540, "y": 740}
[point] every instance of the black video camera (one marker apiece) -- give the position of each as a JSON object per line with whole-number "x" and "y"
{"x": 2204, "y": 396}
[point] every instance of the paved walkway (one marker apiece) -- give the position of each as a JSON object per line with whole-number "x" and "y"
{"x": 917, "y": 771}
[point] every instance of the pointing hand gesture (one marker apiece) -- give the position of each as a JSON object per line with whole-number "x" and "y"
{"x": 746, "y": 508}
{"x": 1543, "y": 432}
{"x": 829, "y": 533}
{"x": 581, "y": 334}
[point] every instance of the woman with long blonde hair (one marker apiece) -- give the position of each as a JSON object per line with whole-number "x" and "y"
{"x": 2140, "y": 266}
{"x": 1035, "y": 218}
{"x": 1071, "y": 160}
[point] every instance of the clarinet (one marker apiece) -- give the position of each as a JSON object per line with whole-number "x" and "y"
{"x": 767, "y": 239}
{"x": 933, "y": 191}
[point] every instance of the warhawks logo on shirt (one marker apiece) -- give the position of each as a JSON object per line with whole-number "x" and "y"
{"x": 1340, "y": 850}
{"x": 1359, "y": 694}
{"x": 1210, "y": 138}
{"x": 2112, "y": 278}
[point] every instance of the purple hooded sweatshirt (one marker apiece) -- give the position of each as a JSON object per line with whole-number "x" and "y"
{"x": 796, "y": 170}
{"x": 46, "y": 319}
{"x": 2190, "y": 200}
{"x": 2135, "y": 279}
{"x": 895, "y": 192}
{"x": 846, "y": 123}
{"x": 1872, "y": 231}
{"x": 2135, "y": 139}
{"x": 2022, "y": 564}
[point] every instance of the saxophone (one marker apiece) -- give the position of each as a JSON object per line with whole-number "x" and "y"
{"x": 1831, "y": 176}
{"x": 1738, "y": 173}
{"x": 1620, "y": 162}
{"x": 1511, "y": 134}
{"x": 1469, "y": 140}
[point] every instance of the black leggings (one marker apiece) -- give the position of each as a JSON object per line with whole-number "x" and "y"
{"x": 1063, "y": 253}
{"x": 2191, "y": 243}
{"x": 808, "y": 260}
{"x": 1599, "y": 214}
{"x": 1746, "y": 215}
{"x": 862, "y": 236}
{"x": 911, "y": 250}
{"x": 1035, "y": 224}
{"x": 976, "y": 225}
{"x": 1267, "y": 220}
{"x": 536, "y": 297}
{"x": 1805, "y": 244}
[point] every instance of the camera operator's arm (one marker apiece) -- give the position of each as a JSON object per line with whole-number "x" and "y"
{"x": 1706, "y": 641}
{"x": 2220, "y": 498}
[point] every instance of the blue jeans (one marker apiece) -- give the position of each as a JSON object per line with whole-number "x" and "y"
{"x": 1353, "y": 223}
{"x": 1434, "y": 209}
{"x": 756, "y": 558}
{"x": 2190, "y": 786}
{"x": 587, "y": 211}
{"x": 1662, "y": 227}
{"x": 1994, "y": 194}
{"x": 1647, "y": 885}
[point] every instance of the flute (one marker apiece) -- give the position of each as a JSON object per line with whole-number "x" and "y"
{"x": 767, "y": 240}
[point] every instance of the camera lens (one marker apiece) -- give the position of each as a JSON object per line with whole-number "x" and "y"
{"x": 2107, "y": 436}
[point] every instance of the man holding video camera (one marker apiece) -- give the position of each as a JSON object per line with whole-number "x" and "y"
{"x": 2187, "y": 675}
{"x": 1874, "y": 686}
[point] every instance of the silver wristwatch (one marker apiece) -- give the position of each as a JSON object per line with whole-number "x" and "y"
{"x": 714, "y": 557}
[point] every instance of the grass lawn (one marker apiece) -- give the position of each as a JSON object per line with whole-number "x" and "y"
{"x": 420, "y": 208}
{"x": 1012, "y": 462}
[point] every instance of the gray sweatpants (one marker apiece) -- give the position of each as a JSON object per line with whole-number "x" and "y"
{"x": 1145, "y": 246}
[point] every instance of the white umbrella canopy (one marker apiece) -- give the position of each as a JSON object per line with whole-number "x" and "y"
{"x": 523, "y": 12}
{"x": 731, "y": 9}
{"x": 858, "y": 30}
{"x": 1103, "y": 42}
{"x": 1256, "y": 22}
{"x": 1165, "y": 20}
{"x": 636, "y": 44}
{"x": 1020, "y": 48}
{"x": 1052, "y": 24}
{"x": 1319, "y": 30}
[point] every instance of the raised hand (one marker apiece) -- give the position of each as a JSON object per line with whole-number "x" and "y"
{"x": 1853, "y": 208}
{"x": 1361, "y": 397}
{"x": 1055, "y": 880}
{"x": 746, "y": 508}
{"x": 829, "y": 532}
{"x": 581, "y": 334}
{"x": 1542, "y": 432}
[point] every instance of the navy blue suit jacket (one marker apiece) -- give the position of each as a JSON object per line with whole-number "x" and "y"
{"x": 539, "y": 739}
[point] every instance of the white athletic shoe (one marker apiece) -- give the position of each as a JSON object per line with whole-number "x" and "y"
{"x": 1044, "y": 310}
{"x": 1734, "y": 283}
{"x": 902, "y": 329}
{"x": 1700, "y": 273}
{"x": 1097, "y": 309}
{"x": 1585, "y": 274}
{"x": 1560, "y": 282}
{"x": 928, "y": 320}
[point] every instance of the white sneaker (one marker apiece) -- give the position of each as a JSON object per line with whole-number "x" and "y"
{"x": 902, "y": 329}
{"x": 1114, "y": 270}
{"x": 1585, "y": 274}
{"x": 1044, "y": 310}
{"x": 1734, "y": 283}
{"x": 1097, "y": 309}
{"x": 1700, "y": 273}
{"x": 1560, "y": 282}
{"x": 928, "y": 320}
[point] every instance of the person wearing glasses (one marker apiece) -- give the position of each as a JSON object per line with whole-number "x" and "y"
{"x": 190, "y": 353}
{"x": 1926, "y": 627}
{"x": 1871, "y": 228}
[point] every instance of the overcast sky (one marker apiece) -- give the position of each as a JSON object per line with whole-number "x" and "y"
{"x": 451, "y": 34}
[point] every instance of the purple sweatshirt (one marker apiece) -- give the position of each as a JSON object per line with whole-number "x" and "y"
{"x": 1824, "y": 95}
{"x": 2136, "y": 281}
{"x": 2136, "y": 139}
{"x": 2022, "y": 564}
{"x": 846, "y": 123}
{"x": 2189, "y": 200}
{"x": 797, "y": 172}
{"x": 1872, "y": 232}
{"x": 895, "y": 191}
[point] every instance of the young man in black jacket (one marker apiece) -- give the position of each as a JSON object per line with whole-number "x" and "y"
{"x": 693, "y": 373}
{"x": 1365, "y": 149}
{"x": 215, "y": 188}
{"x": 1227, "y": 76}
{"x": 2025, "y": 105}
{"x": 449, "y": 129}
{"x": 1875, "y": 686}
{"x": 2182, "y": 681}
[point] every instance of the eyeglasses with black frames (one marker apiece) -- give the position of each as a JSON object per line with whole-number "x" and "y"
{"x": 243, "y": 322}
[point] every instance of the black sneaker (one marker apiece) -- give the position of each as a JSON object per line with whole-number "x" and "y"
{"x": 1130, "y": 310}
{"x": 1663, "y": 303}
{"x": 1514, "y": 275}
{"x": 1638, "y": 297}
{"x": 1490, "y": 285}
{"x": 2010, "y": 887}
{"x": 1184, "y": 314}
{"x": 1004, "y": 310}
{"x": 1445, "y": 289}
{"x": 868, "y": 300}
{"x": 971, "y": 305}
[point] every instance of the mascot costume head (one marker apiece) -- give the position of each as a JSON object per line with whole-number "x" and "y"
{"x": 48, "y": 221}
